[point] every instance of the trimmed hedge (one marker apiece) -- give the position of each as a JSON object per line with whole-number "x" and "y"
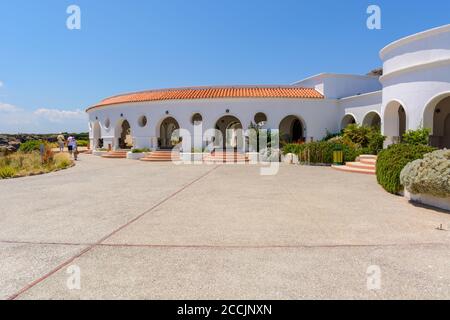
{"x": 321, "y": 152}
{"x": 392, "y": 160}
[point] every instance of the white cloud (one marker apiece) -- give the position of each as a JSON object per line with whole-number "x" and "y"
{"x": 1, "y": 84}
{"x": 59, "y": 116}
{"x": 14, "y": 120}
{"x": 6, "y": 107}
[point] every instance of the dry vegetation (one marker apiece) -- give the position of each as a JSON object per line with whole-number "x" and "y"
{"x": 22, "y": 164}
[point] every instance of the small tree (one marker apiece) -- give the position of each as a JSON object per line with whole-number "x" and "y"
{"x": 417, "y": 137}
{"x": 365, "y": 137}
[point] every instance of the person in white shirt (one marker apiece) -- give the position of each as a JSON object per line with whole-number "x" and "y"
{"x": 70, "y": 144}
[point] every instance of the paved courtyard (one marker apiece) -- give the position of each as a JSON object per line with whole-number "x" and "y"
{"x": 158, "y": 231}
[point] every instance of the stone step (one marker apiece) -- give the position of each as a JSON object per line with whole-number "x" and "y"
{"x": 368, "y": 156}
{"x": 158, "y": 160}
{"x": 118, "y": 154}
{"x": 354, "y": 170}
{"x": 360, "y": 165}
{"x": 162, "y": 156}
{"x": 368, "y": 161}
{"x": 230, "y": 158}
{"x": 226, "y": 156}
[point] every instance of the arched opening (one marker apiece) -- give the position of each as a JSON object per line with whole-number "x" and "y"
{"x": 394, "y": 121}
{"x": 232, "y": 136}
{"x": 292, "y": 130}
{"x": 437, "y": 118}
{"x": 125, "y": 140}
{"x": 372, "y": 119}
{"x": 197, "y": 119}
{"x": 167, "y": 129}
{"x": 260, "y": 119}
{"x": 347, "y": 120}
{"x": 97, "y": 136}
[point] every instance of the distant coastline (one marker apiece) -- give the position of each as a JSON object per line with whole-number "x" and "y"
{"x": 11, "y": 142}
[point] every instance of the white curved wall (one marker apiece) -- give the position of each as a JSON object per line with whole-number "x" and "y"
{"x": 416, "y": 70}
{"x": 319, "y": 115}
{"x": 429, "y": 47}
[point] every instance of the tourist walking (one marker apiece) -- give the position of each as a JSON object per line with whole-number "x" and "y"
{"x": 75, "y": 149}
{"x": 61, "y": 139}
{"x": 70, "y": 144}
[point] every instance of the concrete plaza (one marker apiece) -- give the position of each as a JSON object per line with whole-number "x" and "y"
{"x": 159, "y": 231}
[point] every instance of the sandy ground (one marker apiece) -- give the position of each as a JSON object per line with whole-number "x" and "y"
{"x": 158, "y": 231}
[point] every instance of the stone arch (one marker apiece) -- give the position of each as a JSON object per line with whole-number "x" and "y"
{"x": 395, "y": 121}
{"x": 97, "y": 135}
{"x": 196, "y": 119}
{"x": 167, "y": 128}
{"x": 292, "y": 129}
{"x": 436, "y": 117}
{"x": 347, "y": 120}
{"x": 123, "y": 136}
{"x": 260, "y": 118}
{"x": 231, "y": 133}
{"x": 372, "y": 119}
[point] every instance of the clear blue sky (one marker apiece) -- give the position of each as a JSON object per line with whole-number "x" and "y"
{"x": 49, "y": 73}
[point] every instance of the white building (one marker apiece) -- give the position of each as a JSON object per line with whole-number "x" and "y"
{"x": 413, "y": 92}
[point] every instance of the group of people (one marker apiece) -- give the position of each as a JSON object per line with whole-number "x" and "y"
{"x": 72, "y": 145}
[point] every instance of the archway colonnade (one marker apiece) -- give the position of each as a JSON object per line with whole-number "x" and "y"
{"x": 230, "y": 131}
{"x": 394, "y": 121}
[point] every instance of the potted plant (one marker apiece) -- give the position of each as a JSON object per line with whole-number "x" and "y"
{"x": 136, "y": 154}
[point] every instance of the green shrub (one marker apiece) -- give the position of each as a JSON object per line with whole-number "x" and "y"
{"x": 330, "y": 135}
{"x": 376, "y": 142}
{"x": 30, "y": 146}
{"x": 143, "y": 150}
{"x": 196, "y": 150}
{"x": 358, "y": 134}
{"x": 417, "y": 137}
{"x": 292, "y": 148}
{"x": 321, "y": 152}
{"x": 82, "y": 143}
{"x": 7, "y": 172}
{"x": 392, "y": 160}
{"x": 430, "y": 175}
{"x": 368, "y": 138}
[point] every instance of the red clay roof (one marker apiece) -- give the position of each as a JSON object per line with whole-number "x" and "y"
{"x": 213, "y": 93}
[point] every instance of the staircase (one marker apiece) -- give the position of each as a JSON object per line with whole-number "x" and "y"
{"x": 118, "y": 154}
{"x": 365, "y": 164}
{"x": 161, "y": 156}
{"x": 226, "y": 157}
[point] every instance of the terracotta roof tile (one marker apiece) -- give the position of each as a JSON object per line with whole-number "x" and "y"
{"x": 213, "y": 93}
